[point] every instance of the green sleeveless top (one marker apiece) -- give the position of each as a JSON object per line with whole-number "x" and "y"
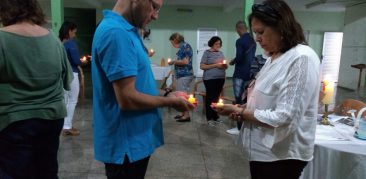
{"x": 34, "y": 71}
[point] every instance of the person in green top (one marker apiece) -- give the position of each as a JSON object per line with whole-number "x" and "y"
{"x": 34, "y": 71}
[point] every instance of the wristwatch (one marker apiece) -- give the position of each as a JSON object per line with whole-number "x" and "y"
{"x": 167, "y": 91}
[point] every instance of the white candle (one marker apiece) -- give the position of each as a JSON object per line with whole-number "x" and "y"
{"x": 169, "y": 60}
{"x": 152, "y": 50}
{"x": 224, "y": 62}
{"x": 328, "y": 89}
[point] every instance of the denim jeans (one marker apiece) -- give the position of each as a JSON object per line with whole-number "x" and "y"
{"x": 239, "y": 87}
{"x": 28, "y": 149}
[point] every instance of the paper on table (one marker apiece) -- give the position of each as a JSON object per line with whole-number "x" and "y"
{"x": 335, "y": 118}
{"x": 328, "y": 133}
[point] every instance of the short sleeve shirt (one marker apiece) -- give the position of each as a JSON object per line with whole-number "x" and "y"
{"x": 118, "y": 52}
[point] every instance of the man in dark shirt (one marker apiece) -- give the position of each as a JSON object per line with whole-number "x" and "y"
{"x": 245, "y": 51}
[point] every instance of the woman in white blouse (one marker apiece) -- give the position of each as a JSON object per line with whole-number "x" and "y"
{"x": 280, "y": 115}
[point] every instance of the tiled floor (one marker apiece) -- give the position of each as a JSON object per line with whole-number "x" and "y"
{"x": 192, "y": 150}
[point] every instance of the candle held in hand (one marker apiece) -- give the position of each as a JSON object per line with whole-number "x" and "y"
{"x": 224, "y": 62}
{"x": 169, "y": 60}
{"x": 83, "y": 59}
{"x": 220, "y": 103}
{"x": 151, "y": 50}
{"x": 191, "y": 99}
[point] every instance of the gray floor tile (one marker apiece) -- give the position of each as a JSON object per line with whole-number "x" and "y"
{"x": 177, "y": 160}
{"x": 192, "y": 150}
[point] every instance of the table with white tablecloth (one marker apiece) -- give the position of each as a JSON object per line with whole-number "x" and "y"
{"x": 160, "y": 72}
{"x": 337, "y": 154}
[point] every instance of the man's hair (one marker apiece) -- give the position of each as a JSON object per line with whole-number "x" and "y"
{"x": 241, "y": 25}
{"x": 14, "y": 11}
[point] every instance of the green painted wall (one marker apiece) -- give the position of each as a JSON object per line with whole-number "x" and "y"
{"x": 170, "y": 21}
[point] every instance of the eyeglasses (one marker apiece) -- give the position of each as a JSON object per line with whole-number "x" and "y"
{"x": 267, "y": 10}
{"x": 155, "y": 6}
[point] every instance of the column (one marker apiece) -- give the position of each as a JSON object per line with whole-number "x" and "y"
{"x": 57, "y": 14}
{"x": 247, "y": 9}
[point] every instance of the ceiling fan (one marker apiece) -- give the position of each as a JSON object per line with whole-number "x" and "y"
{"x": 319, "y": 2}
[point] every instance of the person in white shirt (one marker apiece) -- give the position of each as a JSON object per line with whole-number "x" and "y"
{"x": 280, "y": 115}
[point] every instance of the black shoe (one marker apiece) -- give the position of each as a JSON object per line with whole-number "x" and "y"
{"x": 188, "y": 119}
{"x": 178, "y": 116}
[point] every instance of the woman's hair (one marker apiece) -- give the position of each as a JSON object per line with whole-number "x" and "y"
{"x": 177, "y": 38}
{"x": 278, "y": 15}
{"x": 63, "y": 33}
{"x": 213, "y": 40}
{"x": 14, "y": 11}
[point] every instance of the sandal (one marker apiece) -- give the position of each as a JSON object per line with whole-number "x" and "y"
{"x": 178, "y": 116}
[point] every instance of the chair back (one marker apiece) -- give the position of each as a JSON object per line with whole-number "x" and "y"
{"x": 349, "y": 104}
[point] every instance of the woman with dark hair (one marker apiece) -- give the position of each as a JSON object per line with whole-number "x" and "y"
{"x": 212, "y": 62}
{"x": 183, "y": 70}
{"x": 280, "y": 115}
{"x": 67, "y": 33}
{"x": 34, "y": 71}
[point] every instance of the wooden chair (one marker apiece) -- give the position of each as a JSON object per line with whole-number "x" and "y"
{"x": 202, "y": 93}
{"x": 164, "y": 85}
{"x": 348, "y": 104}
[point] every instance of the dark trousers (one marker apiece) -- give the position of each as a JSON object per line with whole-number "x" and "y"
{"x": 127, "y": 170}
{"x": 28, "y": 149}
{"x": 284, "y": 169}
{"x": 213, "y": 90}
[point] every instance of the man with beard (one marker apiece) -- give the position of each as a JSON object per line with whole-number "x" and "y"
{"x": 127, "y": 121}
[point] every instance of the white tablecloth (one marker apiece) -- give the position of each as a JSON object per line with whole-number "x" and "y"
{"x": 160, "y": 72}
{"x": 337, "y": 154}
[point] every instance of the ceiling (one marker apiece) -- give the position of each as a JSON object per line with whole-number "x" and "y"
{"x": 229, "y": 5}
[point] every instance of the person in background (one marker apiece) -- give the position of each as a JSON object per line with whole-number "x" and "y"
{"x": 280, "y": 116}
{"x": 127, "y": 121}
{"x": 67, "y": 33}
{"x": 245, "y": 52}
{"x": 145, "y": 33}
{"x": 182, "y": 68}
{"x": 213, "y": 76}
{"x": 34, "y": 71}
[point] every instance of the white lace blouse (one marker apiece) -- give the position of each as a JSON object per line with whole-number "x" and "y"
{"x": 285, "y": 96}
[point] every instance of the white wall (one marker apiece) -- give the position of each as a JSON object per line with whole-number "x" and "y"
{"x": 354, "y": 46}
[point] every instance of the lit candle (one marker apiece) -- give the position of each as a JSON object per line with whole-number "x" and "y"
{"x": 83, "y": 59}
{"x": 169, "y": 60}
{"x": 191, "y": 99}
{"x": 224, "y": 62}
{"x": 328, "y": 89}
{"x": 220, "y": 103}
{"x": 151, "y": 50}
